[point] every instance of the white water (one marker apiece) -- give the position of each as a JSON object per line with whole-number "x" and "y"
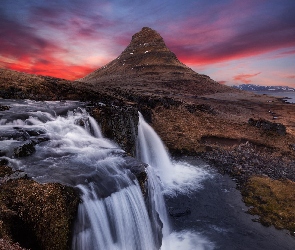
{"x": 117, "y": 222}
{"x": 112, "y": 214}
{"x": 176, "y": 177}
{"x": 169, "y": 178}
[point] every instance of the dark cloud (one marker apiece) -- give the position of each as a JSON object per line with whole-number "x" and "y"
{"x": 207, "y": 44}
{"x": 19, "y": 40}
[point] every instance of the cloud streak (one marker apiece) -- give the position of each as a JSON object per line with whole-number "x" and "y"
{"x": 224, "y": 40}
{"x": 245, "y": 78}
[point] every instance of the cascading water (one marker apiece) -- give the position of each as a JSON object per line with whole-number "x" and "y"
{"x": 168, "y": 178}
{"x": 150, "y": 150}
{"x": 71, "y": 151}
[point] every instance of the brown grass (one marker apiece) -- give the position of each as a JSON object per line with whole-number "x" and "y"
{"x": 272, "y": 200}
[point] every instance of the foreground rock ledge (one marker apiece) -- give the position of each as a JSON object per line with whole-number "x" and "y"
{"x": 37, "y": 216}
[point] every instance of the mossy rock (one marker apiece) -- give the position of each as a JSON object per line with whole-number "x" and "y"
{"x": 272, "y": 200}
{"x": 37, "y": 216}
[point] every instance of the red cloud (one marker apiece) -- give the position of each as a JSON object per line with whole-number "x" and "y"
{"x": 47, "y": 66}
{"x": 245, "y": 77}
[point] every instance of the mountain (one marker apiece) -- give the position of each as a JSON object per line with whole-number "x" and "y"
{"x": 148, "y": 66}
{"x": 252, "y": 87}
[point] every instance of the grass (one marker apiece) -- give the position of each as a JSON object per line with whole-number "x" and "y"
{"x": 272, "y": 200}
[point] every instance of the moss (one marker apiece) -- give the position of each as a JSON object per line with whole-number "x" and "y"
{"x": 272, "y": 200}
{"x": 37, "y": 216}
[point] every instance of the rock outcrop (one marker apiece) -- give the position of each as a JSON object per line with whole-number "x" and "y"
{"x": 118, "y": 123}
{"x": 268, "y": 126}
{"x": 37, "y": 216}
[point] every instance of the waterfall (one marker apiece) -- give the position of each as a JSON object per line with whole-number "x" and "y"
{"x": 170, "y": 179}
{"x": 117, "y": 222}
{"x": 71, "y": 150}
{"x": 150, "y": 149}
{"x": 113, "y": 213}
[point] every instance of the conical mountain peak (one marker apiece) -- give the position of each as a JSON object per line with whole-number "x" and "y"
{"x": 148, "y": 62}
{"x": 147, "y": 52}
{"x": 147, "y": 38}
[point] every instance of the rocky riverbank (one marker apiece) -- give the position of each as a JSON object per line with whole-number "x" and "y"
{"x": 239, "y": 137}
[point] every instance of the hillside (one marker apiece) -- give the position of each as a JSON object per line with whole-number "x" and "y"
{"x": 19, "y": 85}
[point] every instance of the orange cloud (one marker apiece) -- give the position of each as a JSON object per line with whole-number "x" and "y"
{"x": 49, "y": 66}
{"x": 245, "y": 78}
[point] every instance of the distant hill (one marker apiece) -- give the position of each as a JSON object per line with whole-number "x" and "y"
{"x": 19, "y": 85}
{"x": 252, "y": 87}
{"x": 147, "y": 66}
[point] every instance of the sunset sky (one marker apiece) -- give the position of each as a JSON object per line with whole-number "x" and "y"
{"x": 232, "y": 41}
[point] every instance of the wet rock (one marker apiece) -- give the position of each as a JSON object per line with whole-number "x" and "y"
{"x": 15, "y": 134}
{"x": 265, "y": 125}
{"x": 138, "y": 169}
{"x": 35, "y": 132}
{"x": 83, "y": 121}
{"x": 37, "y": 216}
{"x": 118, "y": 123}
{"x": 179, "y": 212}
{"x": 4, "y": 107}
{"x": 24, "y": 150}
{"x": 247, "y": 159}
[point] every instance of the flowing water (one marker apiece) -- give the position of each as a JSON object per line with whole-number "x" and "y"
{"x": 170, "y": 179}
{"x": 113, "y": 213}
{"x": 188, "y": 205}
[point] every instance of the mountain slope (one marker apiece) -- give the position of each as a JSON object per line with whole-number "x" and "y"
{"x": 148, "y": 66}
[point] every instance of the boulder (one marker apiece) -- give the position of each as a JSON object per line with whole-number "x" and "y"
{"x": 37, "y": 216}
{"x": 268, "y": 126}
{"x": 24, "y": 150}
{"x": 4, "y": 107}
{"x": 118, "y": 123}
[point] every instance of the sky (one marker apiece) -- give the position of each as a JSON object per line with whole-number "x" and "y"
{"x": 233, "y": 41}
